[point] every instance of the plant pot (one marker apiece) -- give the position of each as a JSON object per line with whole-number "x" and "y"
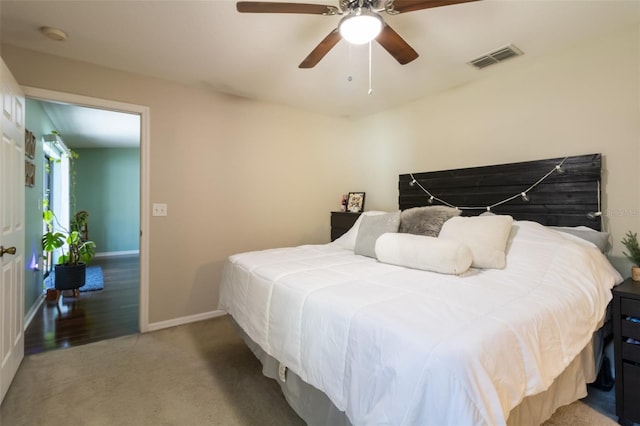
{"x": 635, "y": 273}
{"x": 70, "y": 277}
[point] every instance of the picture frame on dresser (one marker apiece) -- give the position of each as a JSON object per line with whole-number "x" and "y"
{"x": 355, "y": 202}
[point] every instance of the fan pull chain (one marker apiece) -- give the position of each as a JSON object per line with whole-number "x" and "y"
{"x": 349, "y": 77}
{"x": 370, "y": 89}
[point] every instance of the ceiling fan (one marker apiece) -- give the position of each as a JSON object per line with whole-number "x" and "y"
{"x": 360, "y": 24}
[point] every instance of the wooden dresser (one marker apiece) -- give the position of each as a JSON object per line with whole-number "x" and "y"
{"x": 341, "y": 222}
{"x": 626, "y": 334}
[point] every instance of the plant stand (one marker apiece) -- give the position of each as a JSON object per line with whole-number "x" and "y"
{"x": 75, "y": 292}
{"x": 52, "y": 295}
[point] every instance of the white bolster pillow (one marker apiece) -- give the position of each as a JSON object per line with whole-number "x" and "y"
{"x": 425, "y": 253}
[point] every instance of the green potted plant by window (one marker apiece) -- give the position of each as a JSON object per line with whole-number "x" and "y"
{"x": 630, "y": 241}
{"x": 70, "y": 270}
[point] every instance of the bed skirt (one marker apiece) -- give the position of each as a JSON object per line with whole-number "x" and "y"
{"x": 315, "y": 408}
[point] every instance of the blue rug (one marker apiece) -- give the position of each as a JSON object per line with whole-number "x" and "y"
{"x": 94, "y": 279}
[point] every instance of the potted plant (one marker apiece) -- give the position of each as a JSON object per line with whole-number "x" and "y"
{"x": 630, "y": 241}
{"x": 70, "y": 270}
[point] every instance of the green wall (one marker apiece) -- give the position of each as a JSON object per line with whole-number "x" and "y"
{"x": 38, "y": 123}
{"x": 108, "y": 187}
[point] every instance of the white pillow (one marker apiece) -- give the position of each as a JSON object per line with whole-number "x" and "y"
{"x": 348, "y": 239}
{"x": 423, "y": 252}
{"x": 486, "y": 236}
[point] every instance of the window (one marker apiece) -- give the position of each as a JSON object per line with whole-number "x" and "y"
{"x": 55, "y": 186}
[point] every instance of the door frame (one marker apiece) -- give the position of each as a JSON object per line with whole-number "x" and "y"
{"x": 144, "y": 112}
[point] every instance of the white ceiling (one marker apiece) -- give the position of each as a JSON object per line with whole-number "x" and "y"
{"x": 211, "y": 45}
{"x": 82, "y": 127}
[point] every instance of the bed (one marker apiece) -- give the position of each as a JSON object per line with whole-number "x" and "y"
{"x": 388, "y": 337}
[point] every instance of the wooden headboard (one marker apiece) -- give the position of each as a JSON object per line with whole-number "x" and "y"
{"x": 561, "y": 199}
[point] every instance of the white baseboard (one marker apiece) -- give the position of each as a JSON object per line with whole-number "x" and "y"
{"x": 117, "y": 253}
{"x": 33, "y": 310}
{"x": 184, "y": 320}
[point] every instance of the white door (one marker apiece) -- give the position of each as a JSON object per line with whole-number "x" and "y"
{"x": 12, "y": 261}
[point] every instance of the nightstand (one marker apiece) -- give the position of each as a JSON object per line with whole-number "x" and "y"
{"x": 626, "y": 304}
{"x": 341, "y": 222}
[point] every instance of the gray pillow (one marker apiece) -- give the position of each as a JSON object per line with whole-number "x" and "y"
{"x": 600, "y": 239}
{"x": 426, "y": 220}
{"x": 371, "y": 228}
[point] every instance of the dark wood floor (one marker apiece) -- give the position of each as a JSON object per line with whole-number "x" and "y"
{"x": 95, "y": 315}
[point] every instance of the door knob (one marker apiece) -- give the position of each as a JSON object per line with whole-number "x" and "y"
{"x": 8, "y": 250}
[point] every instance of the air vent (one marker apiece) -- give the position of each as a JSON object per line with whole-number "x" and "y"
{"x": 496, "y": 56}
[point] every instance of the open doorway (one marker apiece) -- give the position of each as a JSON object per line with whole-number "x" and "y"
{"x": 109, "y": 184}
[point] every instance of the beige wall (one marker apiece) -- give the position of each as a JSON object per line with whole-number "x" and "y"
{"x": 237, "y": 175}
{"x": 241, "y": 175}
{"x": 581, "y": 101}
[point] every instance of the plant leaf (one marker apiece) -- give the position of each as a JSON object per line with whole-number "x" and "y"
{"x": 52, "y": 241}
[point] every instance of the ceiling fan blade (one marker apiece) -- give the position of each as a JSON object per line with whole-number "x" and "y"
{"x": 321, "y": 50}
{"x": 396, "y": 46}
{"x": 402, "y": 6}
{"x": 267, "y": 7}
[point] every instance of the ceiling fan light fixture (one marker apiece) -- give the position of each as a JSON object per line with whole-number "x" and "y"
{"x": 361, "y": 26}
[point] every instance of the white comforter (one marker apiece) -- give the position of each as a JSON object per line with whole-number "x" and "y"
{"x": 391, "y": 345}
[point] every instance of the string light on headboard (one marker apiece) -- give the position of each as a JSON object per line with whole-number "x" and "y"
{"x": 598, "y": 214}
{"x": 524, "y": 194}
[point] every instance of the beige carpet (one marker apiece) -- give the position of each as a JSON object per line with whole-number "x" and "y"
{"x": 196, "y": 374}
